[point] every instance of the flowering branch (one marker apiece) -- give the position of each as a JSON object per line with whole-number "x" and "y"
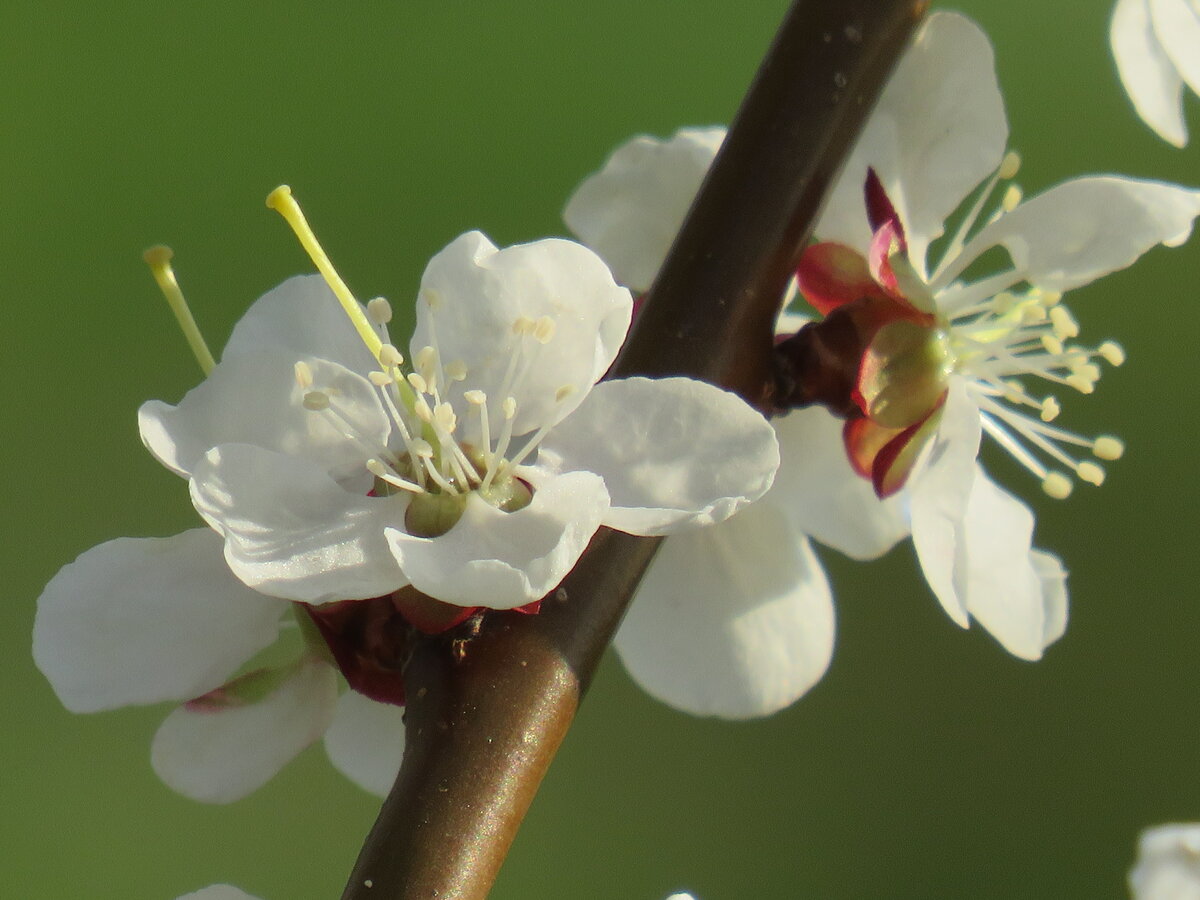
{"x": 490, "y": 701}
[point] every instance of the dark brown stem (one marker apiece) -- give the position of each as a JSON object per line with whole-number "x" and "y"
{"x": 487, "y": 712}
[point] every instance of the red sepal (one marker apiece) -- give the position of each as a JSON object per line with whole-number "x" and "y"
{"x": 831, "y": 275}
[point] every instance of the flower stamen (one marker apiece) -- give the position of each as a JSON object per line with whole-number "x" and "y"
{"x": 158, "y": 258}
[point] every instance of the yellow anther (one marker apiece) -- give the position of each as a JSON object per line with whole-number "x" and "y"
{"x": 1112, "y": 353}
{"x": 421, "y": 408}
{"x": 1009, "y": 165}
{"x": 1049, "y": 298}
{"x": 1108, "y": 447}
{"x": 1005, "y": 301}
{"x": 1012, "y": 198}
{"x": 432, "y": 298}
{"x": 523, "y": 325}
{"x": 457, "y": 370}
{"x": 417, "y": 382}
{"x": 564, "y": 392}
{"x": 1050, "y": 409}
{"x": 1057, "y": 485}
{"x": 1064, "y": 323}
{"x": 1089, "y": 371}
{"x": 444, "y": 417}
{"x": 509, "y": 407}
{"x": 304, "y": 375}
{"x": 316, "y": 401}
{"x": 1032, "y": 314}
{"x": 425, "y": 360}
{"x": 543, "y": 330}
{"x": 421, "y": 448}
{"x": 1081, "y": 384}
{"x": 1090, "y": 472}
{"x": 475, "y": 398}
{"x": 379, "y": 311}
{"x": 282, "y": 201}
{"x": 389, "y": 356}
{"x": 1052, "y": 345}
{"x": 158, "y": 258}
{"x": 379, "y": 379}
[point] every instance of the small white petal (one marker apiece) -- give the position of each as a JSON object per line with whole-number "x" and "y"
{"x": 1168, "y": 864}
{"x": 145, "y": 620}
{"x": 630, "y": 211}
{"x": 938, "y": 130}
{"x": 218, "y": 892}
{"x": 1054, "y": 594}
{"x": 366, "y": 742}
{"x": 478, "y": 292}
{"x": 938, "y": 493}
{"x": 824, "y": 497}
{"x": 1150, "y": 78}
{"x": 735, "y": 620}
{"x": 293, "y": 532}
{"x": 303, "y": 318}
{"x": 218, "y": 756}
{"x": 254, "y": 399}
{"x": 1085, "y": 228}
{"x": 998, "y": 580}
{"x": 1177, "y": 26}
{"x": 673, "y": 452}
{"x": 502, "y": 560}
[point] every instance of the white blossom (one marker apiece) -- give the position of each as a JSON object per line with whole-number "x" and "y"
{"x": 477, "y": 472}
{"x": 149, "y": 620}
{"x": 938, "y": 143}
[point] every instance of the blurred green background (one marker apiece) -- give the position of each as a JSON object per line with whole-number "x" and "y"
{"x": 927, "y": 764}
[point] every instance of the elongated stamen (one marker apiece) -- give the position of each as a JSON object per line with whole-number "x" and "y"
{"x": 380, "y": 471}
{"x": 282, "y": 201}
{"x": 560, "y": 395}
{"x": 1008, "y": 169}
{"x": 497, "y": 464}
{"x": 158, "y": 258}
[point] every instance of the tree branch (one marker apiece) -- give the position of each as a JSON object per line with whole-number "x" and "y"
{"x": 488, "y": 711}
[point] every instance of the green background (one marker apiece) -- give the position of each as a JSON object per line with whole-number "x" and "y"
{"x": 928, "y": 763}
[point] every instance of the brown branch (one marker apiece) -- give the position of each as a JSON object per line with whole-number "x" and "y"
{"x": 487, "y": 712}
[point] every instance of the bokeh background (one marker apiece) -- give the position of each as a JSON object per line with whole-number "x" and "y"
{"x": 927, "y": 764}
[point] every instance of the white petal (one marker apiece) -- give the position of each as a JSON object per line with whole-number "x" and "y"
{"x": 366, "y": 742}
{"x": 220, "y": 756}
{"x": 218, "y": 892}
{"x": 478, "y": 292}
{"x": 1177, "y": 26}
{"x": 254, "y": 399}
{"x": 734, "y": 620}
{"x": 630, "y": 211}
{"x": 146, "y": 620}
{"x": 1085, "y": 228}
{"x": 501, "y": 560}
{"x": 938, "y": 130}
{"x": 1054, "y": 594}
{"x": 1168, "y": 864}
{"x": 823, "y": 496}
{"x": 998, "y": 580}
{"x": 1149, "y": 76}
{"x": 301, "y": 316}
{"x": 938, "y": 493}
{"x": 293, "y": 532}
{"x": 673, "y": 452}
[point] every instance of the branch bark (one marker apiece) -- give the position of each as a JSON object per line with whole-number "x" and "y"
{"x": 488, "y": 711}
